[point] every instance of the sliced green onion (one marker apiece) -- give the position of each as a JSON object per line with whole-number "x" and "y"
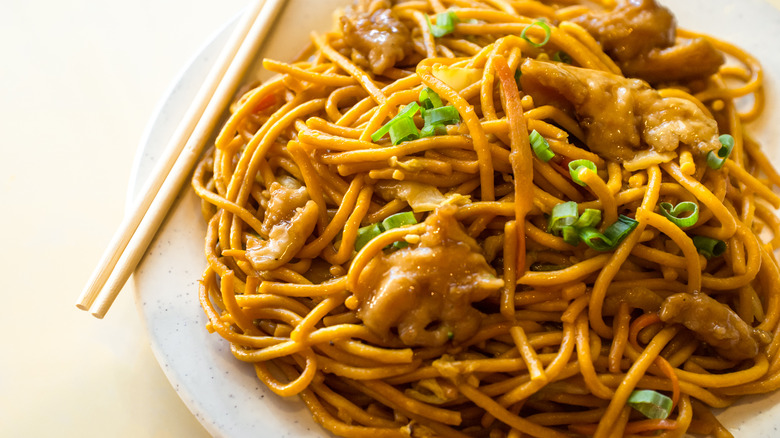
{"x": 379, "y": 133}
{"x": 709, "y": 247}
{"x": 518, "y": 74}
{"x": 400, "y": 244}
{"x": 673, "y": 213}
{"x": 446, "y": 115}
{"x": 727, "y": 141}
{"x": 562, "y": 215}
{"x": 398, "y": 220}
{"x": 651, "y": 404}
{"x": 612, "y": 236}
{"x": 409, "y": 110}
{"x": 544, "y": 27}
{"x": 571, "y": 235}
{"x": 574, "y": 168}
{"x": 406, "y": 128}
{"x": 595, "y": 240}
{"x": 566, "y": 222}
{"x": 540, "y": 146}
{"x": 562, "y": 56}
{"x": 429, "y": 98}
{"x": 589, "y": 218}
{"x": 445, "y": 23}
{"x": 620, "y": 229}
{"x": 431, "y": 130}
{"x": 436, "y": 116}
{"x": 715, "y": 160}
{"x": 366, "y": 234}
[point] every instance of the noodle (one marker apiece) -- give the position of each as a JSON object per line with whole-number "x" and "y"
{"x": 430, "y": 285}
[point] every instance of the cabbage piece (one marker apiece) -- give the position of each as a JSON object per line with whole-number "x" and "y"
{"x": 421, "y": 197}
{"x": 457, "y": 78}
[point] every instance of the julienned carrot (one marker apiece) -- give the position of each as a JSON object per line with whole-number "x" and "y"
{"x": 520, "y": 153}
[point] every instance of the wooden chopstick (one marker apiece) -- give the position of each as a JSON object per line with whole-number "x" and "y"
{"x": 136, "y": 231}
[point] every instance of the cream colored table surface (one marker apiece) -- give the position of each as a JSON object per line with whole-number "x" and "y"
{"x": 79, "y": 81}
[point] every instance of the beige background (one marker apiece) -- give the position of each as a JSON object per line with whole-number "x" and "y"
{"x": 79, "y": 81}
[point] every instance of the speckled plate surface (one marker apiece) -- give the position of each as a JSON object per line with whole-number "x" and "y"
{"x": 222, "y": 392}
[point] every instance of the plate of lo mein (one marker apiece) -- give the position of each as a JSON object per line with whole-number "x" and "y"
{"x": 481, "y": 219}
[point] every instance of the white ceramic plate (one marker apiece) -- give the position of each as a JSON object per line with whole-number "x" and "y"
{"x": 222, "y": 392}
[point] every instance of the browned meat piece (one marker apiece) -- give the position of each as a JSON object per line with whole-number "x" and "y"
{"x": 640, "y": 36}
{"x": 289, "y": 220}
{"x": 634, "y": 27}
{"x": 378, "y": 38}
{"x": 685, "y": 61}
{"x": 622, "y": 118}
{"x": 426, "y": 290}
{"x": 714, "y": 323}
{"x": 639, "y": 298}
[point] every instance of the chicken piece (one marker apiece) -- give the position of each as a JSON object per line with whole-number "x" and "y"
{"x": 426, "y": 290}
{"x": 620, "y": 116}
{"x": 684, "y": 61}
{"x": 639, "y": 298}
{"x": 640, "y": 36}
{"x": 714, "y": 323}
{"x": 289, "y": 220}
{"x": 667, "y": 122}
{"x": 378, "y": 38}
{"x": 634, "y": 27}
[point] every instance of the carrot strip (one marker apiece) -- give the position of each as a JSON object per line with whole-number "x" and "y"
{"x": 643, "y": 321}
{"x": 520, "y": 152}
{"x": 667, "y": 368}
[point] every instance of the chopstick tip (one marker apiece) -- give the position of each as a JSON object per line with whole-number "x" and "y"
{"x": 99, "y": 313}
{"x": 82, "y": 306}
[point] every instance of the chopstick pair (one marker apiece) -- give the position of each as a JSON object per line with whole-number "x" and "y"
{"x": 140, "y": 224}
